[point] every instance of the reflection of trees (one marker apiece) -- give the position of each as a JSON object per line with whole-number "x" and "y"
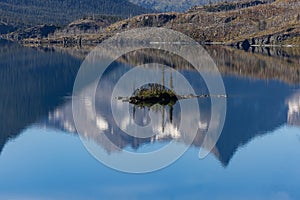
{"x": 259, "y": 62}
{"x": 32, "y": 84}
{"x": 277, "y": 63}
{"x": 155, "y": 97}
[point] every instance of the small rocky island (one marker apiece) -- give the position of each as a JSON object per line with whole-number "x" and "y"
{"x": 152, "y": 94}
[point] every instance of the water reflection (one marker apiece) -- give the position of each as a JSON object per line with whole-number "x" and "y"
{"x": 255, "y": 107}
{"x": 34, "y": 85}
{"x": 294, "y": 109}
{"x": 164, "y": 110}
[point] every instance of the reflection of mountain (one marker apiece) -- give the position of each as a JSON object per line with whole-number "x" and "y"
{"x": 32, "y": 83}
{"x": 254, "y": 108}
{"x": 103, "y": 121}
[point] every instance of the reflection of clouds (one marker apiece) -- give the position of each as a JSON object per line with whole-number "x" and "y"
{"x": 126, "y": 122}
{"x": 98, "y": 124}
{"x": 294, "y": 109}
{"x": 61, "y": 118}
{"x": 101, "y": 123}
{"x": 203, "y": 125}
{"x": 169, "y": 131}
{"x": 94, "y": 126}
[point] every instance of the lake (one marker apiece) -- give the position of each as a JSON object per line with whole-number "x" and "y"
{"x": 43, "y": 157}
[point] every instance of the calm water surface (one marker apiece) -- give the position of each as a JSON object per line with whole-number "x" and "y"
{"x": 42, "y": 157}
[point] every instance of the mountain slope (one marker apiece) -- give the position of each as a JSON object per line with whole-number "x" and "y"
{"x": 243, "y": 23}
{"x": 33, "y": 12}
{"x": 81, "y": 26}
{"x": 257, "y": 22}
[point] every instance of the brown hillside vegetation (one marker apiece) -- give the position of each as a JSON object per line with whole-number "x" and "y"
{"x": 256, "y": 22}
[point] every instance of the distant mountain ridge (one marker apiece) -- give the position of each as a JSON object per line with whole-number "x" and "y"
{"x": 173, "y": 5}
{"x": 34, "y": 12}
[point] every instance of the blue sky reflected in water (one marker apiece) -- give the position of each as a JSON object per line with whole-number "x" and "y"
{"x": 46, "y": 164}
{"x": 256, "y": 157}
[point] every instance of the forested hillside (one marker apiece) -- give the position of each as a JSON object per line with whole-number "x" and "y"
{"x": 33, "y": 12}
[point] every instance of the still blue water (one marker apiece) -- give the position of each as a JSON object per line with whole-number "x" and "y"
{"x": 43, "y": 163}
{"x": 42, "y": 157}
